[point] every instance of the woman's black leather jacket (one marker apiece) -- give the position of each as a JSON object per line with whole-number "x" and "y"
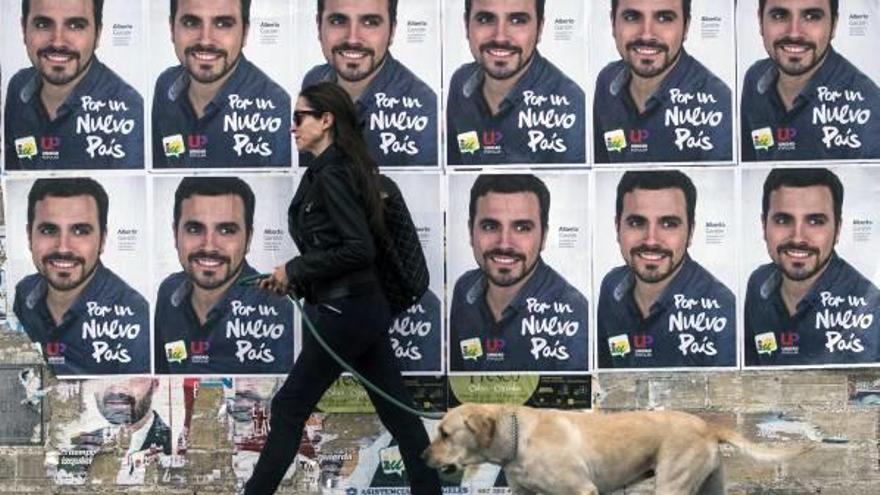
{"x": 328, "y": 223}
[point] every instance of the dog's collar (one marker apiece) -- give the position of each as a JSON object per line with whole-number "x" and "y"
{"x": 514, "y": 436}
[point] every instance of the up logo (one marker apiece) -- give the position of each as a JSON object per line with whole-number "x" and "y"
{"x": 637, "y": 136}
{"x": 55, "y": 348}
{"x": 492, "y": 138}
{"x": 786, "y": 134}
{"x": 494, "y": 345}
{"x": 789, "y": 339}
{"x": 50, "y": 143}
{"x": 643, "y": 341}
{"x": 199, "y": 347}
{"x": 197, "y": 141}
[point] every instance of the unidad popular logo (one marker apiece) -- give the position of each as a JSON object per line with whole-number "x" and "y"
{"x": 615, "y": 140}
{"x": 619, "y": 345}
{"x": 471, "y": 348}
{"x": 26, "y": 147}
{"x": 765, "y": 343}
{"x": 173, "y": 145}
{"x": 469, "y": 142}
{"x": 175, "y": 352}
{"x": 762, "y": 139}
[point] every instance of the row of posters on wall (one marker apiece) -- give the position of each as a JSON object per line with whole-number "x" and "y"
{"x": 547, "y": 272}
{"x": 672, "y": 81}
{"x": 208, "y": 431}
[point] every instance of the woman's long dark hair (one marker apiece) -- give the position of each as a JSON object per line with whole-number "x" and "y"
{"x": 329, "y": 97}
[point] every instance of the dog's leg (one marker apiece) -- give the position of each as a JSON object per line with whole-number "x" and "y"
{"x": 714, "y": 484}
{"x": 685, "y": 474}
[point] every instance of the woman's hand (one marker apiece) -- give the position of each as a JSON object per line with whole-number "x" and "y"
{"x": 277, "y": 283}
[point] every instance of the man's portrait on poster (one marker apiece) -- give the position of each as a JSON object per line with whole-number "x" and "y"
{"x": 514, "y": 312}
{"x": 69, "y": 110}
{"x": 85, "y": 318}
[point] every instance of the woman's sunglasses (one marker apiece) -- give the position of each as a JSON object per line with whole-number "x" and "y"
{"x": 299, "y": 115}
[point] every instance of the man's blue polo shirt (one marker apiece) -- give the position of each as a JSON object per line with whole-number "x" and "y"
{"x": 246, "y": 124}
{"x": 397, "y": 112}
{"x": 249, "y": 331}
{"x": 99, "y": 126}
{"x": 835, "y": 117}
{"x": 692, "y": 323}
{"x": 688, "y": 119}
{"x": 416, "y": 336}
{"x": 105, "y": 331}
{"x": 541, "y": 120}
{"x": 837, "y": 322}
{"x": 544, "y": 328}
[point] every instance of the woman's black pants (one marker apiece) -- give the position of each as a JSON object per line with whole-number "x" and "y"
{"x": 356, "y": 328}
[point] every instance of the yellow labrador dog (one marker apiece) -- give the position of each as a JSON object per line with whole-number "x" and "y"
{"x": 551, "y": 452}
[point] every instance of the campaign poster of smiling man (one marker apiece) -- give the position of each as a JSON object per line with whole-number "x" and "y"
{"x": 666, "y": 298}
{"x": 212, "y": 232}
{"x": 665, "y": 69}
{"x": 809, "y": 88}
{"x": 520, "y": 273}
{"x": 811, "y": 296}
{"x": 516, "y": 71}
{"x": 73, "y": 97}
{"x": 76, "y": 265}
{"x": 214, "y": 107}
{"x": 376, "y": 51}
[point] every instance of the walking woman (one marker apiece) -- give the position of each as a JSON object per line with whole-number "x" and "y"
{"x": 332, "y": 217}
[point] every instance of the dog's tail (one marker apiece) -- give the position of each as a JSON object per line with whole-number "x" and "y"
{"x": 757, "y": 451}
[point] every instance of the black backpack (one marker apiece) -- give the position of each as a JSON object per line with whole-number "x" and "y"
{"x": 400, "y": 261}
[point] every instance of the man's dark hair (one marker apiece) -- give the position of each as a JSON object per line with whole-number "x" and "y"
{"x": 654, "y": 180}
{"x": 834, "y": 4}
{"x": 216, "y": 186}
{"x": 97, "y": 10}
{"x": 685, "y": 9}
{"x": 245, "y": 11}
{"x": 803, "y": 177}
{"x": 539, "y": 10}
{"x": 68, "y": 188}
{"x": 508, "y": 184}
{"x": 392, "y": 11}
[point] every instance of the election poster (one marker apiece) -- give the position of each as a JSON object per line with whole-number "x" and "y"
{"x": 76, "y": 279}
{"x": 518, "y": 264}
{"x": 417, "y": 334}
{"x": 220, "y": 96}
{"x": 808, "y": 267}
{"x": 120, "y": 433}
{"x": 225, "y": 416}
{"x": 808, "y": 81}
{"x": 665, "y": 274}
{"x": 388, "y": 62}
{"x": 514, "y": 83}
{"x": 76, "y": 104}
{"x": 661, "y": 81}
{"x": 214, "y": 234}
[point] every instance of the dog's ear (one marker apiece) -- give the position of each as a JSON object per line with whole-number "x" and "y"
{"x": 483, "y": 427}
